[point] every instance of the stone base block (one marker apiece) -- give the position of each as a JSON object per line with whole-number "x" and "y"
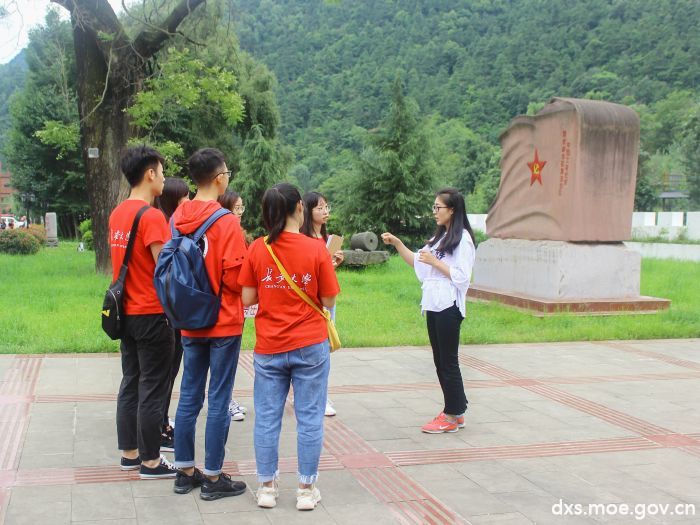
{"x": 552, "y": 276}
{"x": 543, "y": 307}
{"x": 362, "y": 258}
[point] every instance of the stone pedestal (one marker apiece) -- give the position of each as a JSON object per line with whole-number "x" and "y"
{"x": 51, "y": 223}
{"x": 554, "y": 276}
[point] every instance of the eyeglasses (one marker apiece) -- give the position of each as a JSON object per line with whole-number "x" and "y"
{"x": 437, "y": 208}
{"x": 240, "y": 208}
{"x": 229, "y": 173}
{"x": 327, "y": 208}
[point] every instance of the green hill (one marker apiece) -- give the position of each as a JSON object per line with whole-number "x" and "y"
{"x": 481, "y": 62}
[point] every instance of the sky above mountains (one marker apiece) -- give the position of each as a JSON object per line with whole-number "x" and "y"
{"x": 22, "y": 16}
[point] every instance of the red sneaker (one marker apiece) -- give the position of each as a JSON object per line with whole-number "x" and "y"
{"x": 460, "y": 420}
{"x": 439, "y": 425}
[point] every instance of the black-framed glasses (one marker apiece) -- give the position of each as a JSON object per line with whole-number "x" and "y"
{"x": 437, "y": 208}
{"x": 229, "y": 173}
{"x": 240, "y": 208}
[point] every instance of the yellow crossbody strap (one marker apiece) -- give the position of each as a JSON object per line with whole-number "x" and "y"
{"x": 332, "y": 333}
{"x": 291, "y": 283}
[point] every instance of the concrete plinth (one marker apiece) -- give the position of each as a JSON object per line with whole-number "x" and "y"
{"x": 550, "y": 276}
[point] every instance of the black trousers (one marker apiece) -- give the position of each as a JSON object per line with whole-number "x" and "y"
{"x": 443, "y": 331}
{"x": 147, "y": 349}
{"x": 175, "y": 368}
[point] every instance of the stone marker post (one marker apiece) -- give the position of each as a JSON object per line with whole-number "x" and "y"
{"x": 51, "y": 223}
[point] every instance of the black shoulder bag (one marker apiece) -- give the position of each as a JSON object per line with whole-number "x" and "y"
{"x": 112, "y": 309}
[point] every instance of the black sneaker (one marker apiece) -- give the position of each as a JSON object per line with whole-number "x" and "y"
{"x": 164, "y": 470}
{"x": 130, "y": 464}
{"x": 221, "y": 488}
{"x": 167, "y": 443}
{"x": 184, "y": 483}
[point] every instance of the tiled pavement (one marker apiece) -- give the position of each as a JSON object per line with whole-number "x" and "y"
{"x": 549, "y": 426}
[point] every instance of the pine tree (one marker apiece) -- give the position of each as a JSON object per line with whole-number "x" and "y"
{"x": 394, "y": 176}
{"x": 263, "y": 163}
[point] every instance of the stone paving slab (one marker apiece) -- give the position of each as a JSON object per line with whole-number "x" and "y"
{"x": 610, "y": 423}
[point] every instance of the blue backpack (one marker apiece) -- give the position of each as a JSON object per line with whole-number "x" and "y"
{"x": 182, "y": 282}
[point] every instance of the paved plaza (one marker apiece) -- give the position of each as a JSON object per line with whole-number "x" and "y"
{"x": 551, "y": 429}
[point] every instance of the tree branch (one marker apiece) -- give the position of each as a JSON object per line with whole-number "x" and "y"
{"x": 150, "y": 40}
{"x": 97, "y": 17}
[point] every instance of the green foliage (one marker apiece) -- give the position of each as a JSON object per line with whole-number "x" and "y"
{"x": 691, "y": 158}
{"x": 86, "y": 234}
{"x": 394, "y": 178}
{"x": 263, "y": 164}
{"x": 186, "y": 82}
{"x": 85, "y": 226}
{"x": 88, "y": 240}
{"x": 475, "y": 63}
{"x": 39, "y": 232}
{"x": 42, "y": 149}
{"x": 63, "y": 137}
{"x": 12, "y": 78}
{"x": 480, "y": 237}
{"x": 18, "y": 242}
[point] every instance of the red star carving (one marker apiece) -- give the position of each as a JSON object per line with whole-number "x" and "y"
{"x": 536, "y": 169}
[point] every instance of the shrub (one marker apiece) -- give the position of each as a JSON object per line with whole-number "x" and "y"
{"x": 480, "y": 237}
{"x": 87, "y": 240}
{"x": 86, "y": 234}
{"x": 85, "y": 226}
{"x": 38, "y": 231}
{"x": 18, "y": 242}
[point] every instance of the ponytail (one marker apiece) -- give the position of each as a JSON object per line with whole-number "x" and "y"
{"x": 278, "y": 203}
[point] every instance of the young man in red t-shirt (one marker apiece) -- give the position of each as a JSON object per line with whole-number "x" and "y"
{"x": 147, "y": 344}
{"x": 210, "y": 351}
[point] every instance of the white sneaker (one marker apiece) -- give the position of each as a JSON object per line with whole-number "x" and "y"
{"x": 308, "y": 498}
{"x": 267, "y": 496}
{"x": 330, "y": 411}
{"x": 237, "y": 411}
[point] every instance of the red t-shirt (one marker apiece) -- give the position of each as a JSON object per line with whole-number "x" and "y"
{"x": 140, "y": 294}
{"x": 224, "y": 251}
{"x": 284, "y": 322}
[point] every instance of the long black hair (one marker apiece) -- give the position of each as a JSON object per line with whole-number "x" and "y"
{"x": 454, "y": 200}
{"x": 175, "y": 189}
{"x": 278, "y": 203}
{"x": 311, "y": 200}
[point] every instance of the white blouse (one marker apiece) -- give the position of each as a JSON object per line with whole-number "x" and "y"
{"x": 439, "y": 291}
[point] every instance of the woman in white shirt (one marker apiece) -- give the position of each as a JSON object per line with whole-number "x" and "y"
{"x": 444, "y": 267}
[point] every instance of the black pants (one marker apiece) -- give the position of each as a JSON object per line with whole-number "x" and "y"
{"x": 443, "y": 331}
{"x": 147, "y": 349}
{"x": 175, "y": 368}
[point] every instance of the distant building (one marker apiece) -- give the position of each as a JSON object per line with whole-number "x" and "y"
{"x": 6, "y": 191}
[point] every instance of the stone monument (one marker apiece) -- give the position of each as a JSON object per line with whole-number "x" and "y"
{"x": 563, "y": 208}
{"x": 51, "y": 224}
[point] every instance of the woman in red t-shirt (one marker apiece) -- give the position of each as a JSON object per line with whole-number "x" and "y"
{"x": 291, "y": 341}
{"x": 316, "y": 214}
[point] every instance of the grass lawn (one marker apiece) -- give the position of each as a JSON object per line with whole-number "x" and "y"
{"x": 50, "y": 302}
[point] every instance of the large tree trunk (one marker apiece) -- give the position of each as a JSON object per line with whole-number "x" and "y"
{"x": 104, "y": 126}
{"x": 110, "y": 70}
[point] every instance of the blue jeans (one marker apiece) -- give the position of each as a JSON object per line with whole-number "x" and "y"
{"x": 307, "y": 370}
{"x": 219, "y": 356}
